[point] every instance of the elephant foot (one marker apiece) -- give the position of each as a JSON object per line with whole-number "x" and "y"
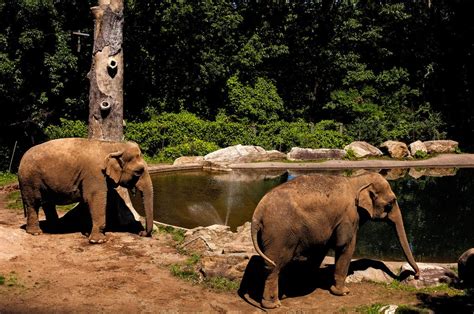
{"x": 338, "y": 291}
{"x": 35, "y": 230}
{"x": 144, "y": 234}
{"x": 97, "y": 238}
{"x": 271, "y": 304}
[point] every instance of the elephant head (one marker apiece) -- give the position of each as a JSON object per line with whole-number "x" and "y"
{"x": 378, "y": 199}
{"x": 126, "y": 167}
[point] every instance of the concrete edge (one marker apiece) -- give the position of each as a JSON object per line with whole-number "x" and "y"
{"x": 440, "y": 161}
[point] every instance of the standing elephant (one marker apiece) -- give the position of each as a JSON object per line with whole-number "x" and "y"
{"x": 310, "y": 214}
{"x": 69, "y": 170}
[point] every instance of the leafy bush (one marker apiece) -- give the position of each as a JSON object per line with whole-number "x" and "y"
{"x": 168, "y": 136}
{"x": 419, "y": 154}
{"x": 196, "y": 147}
{"x": 67, "y": 128}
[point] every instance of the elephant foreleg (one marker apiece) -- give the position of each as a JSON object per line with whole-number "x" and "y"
{"x": 97, "y": 205}
{"x": 343, "y": 259}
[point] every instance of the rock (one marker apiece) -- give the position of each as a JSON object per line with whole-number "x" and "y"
{"x": 394, "y": 173}
{"x": 466, "y": 267}
{"x": 430, "y": 275}
{"x": 363, "y": 149}
{"x": 189, "y": 160}
{"x": 298, "y": 153}
{"x": 242, "y": 154}
{"x": 228, "y": 266}
{"x": 224, "y": 253}
{"x": 432, "y": 172}
{"x": 417, "y": 146}
{"x": 388, "y": 309}
{"x": 396, "y": 149}
{"x": 369, "y": 274}
{"x": 441, "y": 146}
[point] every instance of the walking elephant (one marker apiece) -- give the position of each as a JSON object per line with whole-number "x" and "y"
{"x": 70, "y": 170}
{"x": 310, "y": 214}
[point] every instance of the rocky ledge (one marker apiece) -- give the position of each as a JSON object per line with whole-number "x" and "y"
{"x": 240, "y": 154}
{"x": 227, "y": 254}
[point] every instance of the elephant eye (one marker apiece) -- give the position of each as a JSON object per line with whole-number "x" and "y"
{"x": 389, "y": 206}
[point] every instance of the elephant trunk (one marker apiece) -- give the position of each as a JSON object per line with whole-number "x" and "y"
{"x": 395, "y": 216}
{"x": 145, "y": 186}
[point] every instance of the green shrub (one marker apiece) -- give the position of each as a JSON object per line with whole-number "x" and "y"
{"x": 196, "y": 147}
{"x": 168, "y": 136}
{"x": 67, "y": 128}
{"x": 419, "y": 154}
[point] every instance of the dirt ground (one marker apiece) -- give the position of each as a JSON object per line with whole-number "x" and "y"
{"x": 63, "y": 273}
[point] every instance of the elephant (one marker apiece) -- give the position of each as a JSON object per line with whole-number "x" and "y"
{"x": 69, "y": 170}
{"x": 304, "y": 217}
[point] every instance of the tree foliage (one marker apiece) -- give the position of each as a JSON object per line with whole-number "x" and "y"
{"x": 378, "y": 69}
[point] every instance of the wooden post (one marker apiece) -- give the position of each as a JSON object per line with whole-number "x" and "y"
{"x": 106, "y": 73}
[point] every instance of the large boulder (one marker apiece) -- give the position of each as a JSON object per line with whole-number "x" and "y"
{"x": 223, "y": 253}
{"x": 466, "y": 267}
{"x": 298, "y": 153}
{"x": 189, "y": 160}
{"x": 363, "y": 149}
{"x": 432, "y": 172}
{"x": 441, "y": 146}
{"x": 396, "y": 149}
{"x": 431, "y": 275}
{"x": 369, "y": 275}
{"x": 242, "y": 154}
{"x": 417, "y": 146}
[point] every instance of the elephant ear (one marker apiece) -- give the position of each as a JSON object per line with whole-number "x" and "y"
{"x": 364, "y": 199}
{"x": 113, "y": 166}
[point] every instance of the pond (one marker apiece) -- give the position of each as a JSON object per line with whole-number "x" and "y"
{"x": 437, "y": 207}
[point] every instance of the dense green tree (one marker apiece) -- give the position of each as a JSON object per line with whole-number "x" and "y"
{"x": 378, "y": 69}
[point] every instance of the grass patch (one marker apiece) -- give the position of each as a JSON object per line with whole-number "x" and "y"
{"x": 187, "y": 271}
{"x": 222, "y": 284}
{"x": 370, "y": 309}
{"x": 7, "y": 178}
{"x": 14, "y": 202}
{"x": 11, "y": 280}
{"x": 443, "y": 288}
{"x": 176, "y": 234}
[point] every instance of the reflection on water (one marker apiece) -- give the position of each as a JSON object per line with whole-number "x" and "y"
{"x": 437, "y": 206}
{"x": 200, "y": 198}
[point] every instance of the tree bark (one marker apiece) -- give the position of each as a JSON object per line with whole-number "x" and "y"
{"x": 106, "y": 92}
{"x": 106, "y": 73}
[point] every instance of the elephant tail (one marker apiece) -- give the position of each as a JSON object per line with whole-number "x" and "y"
{"x": 255, "y": 228}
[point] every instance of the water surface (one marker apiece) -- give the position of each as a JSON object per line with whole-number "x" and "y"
{"x": 437, "y": 207}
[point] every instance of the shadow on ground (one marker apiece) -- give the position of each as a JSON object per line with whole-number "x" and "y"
{"x": 448, "y": 304}
{"x": 78, "y": 219}
{"x": 299, "y": 278}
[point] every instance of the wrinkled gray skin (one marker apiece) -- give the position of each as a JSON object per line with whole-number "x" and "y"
{"x": 70, "y": 170}
{"x": 310, "y": 214}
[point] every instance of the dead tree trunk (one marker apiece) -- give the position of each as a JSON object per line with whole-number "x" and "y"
{"x": 106, "y": 73}
{"x": 106, "y": 93}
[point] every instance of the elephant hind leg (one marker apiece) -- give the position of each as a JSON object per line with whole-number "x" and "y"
{"x": 32, "y": 221}
{"x": 282, "y": 256}
{"x": 52, "y": 218}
